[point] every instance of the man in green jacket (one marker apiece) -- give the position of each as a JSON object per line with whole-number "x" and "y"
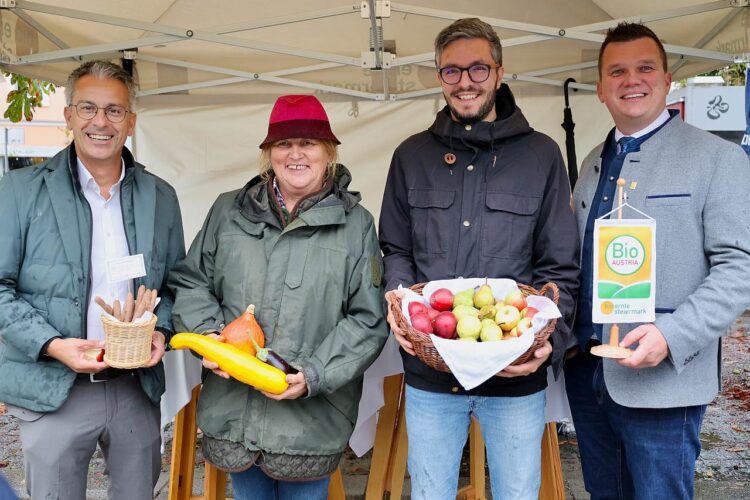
{"x": 90, "y": 221}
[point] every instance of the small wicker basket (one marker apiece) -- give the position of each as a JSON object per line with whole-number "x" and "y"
{"x": 425, "y": 349}
{"x": 127, "y": 345}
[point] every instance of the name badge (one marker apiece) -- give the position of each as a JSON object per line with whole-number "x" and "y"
{"x": 125, "y": 268}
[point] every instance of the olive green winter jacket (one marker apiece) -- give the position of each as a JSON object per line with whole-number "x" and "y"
{"x": 45, "y": 251}
{"x": 316, "y": 284}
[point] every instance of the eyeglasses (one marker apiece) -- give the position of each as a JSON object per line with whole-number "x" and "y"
{"x": 478, "y": 73}
{"x": 88, "y": 110}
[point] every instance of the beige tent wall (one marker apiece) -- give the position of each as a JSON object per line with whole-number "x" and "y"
{"x": 206, "y": 148}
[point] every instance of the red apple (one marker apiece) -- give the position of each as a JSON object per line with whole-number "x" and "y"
{"x": 432, "y": 313}
{"x": 416, "y": 307}
{"x": 421, "y": 323}
{"x": 529, "y": 312}
{"x": 515, "y": 299}
{"x": 445, "y": 325}
{"x": 442, "y": 299}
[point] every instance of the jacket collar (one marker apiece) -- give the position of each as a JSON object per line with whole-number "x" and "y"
{"x": 510, "y": 122}
{"x": 138, "y": 192}
{"x": 256, "y": 204}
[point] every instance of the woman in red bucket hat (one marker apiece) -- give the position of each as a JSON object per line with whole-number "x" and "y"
{"x": 295, "y": 242}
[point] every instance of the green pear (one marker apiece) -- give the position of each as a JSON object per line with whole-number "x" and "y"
{"x": 469, "y": 327}
{"x": 487, "y": 311}
{"x": 490, "y": 331}
{"x": 462, "y": 311}
{"x": 483, "y": 297}
{"x": 464, "y": 298}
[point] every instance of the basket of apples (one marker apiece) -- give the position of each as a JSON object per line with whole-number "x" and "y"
{"x": 476, "y": 310}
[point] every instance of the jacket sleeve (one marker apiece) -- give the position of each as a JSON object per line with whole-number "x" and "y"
{"x": 196, "y": 308}
{"x": 395, "y": 229}
{"x": 175, "y": 252}
{"x": 725, "y": 292}
{"x": 351, "y": 347}
{"x": 20, "y": 325}
{"x": 556, "y": 252}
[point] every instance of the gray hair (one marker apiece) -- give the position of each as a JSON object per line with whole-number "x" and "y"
{"x": 103, "y": 70}
{"x": 469, "y": 27}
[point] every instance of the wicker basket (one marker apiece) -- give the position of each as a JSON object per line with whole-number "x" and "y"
{"x": 425, "y": 349}
{"x": 127, "y": 345}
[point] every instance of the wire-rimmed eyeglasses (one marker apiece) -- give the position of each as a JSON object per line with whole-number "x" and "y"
{"x": 88, "y": 110}
{"x": 478, "y": 73}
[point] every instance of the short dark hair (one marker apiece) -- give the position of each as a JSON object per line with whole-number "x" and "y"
{"x": 104, "y": 70}
{"x": 469, "y": 27}
{"x": 627, "y": 32}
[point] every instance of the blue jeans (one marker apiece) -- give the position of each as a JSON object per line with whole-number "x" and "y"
{"x": 438, "y": 425}
{"x": 254, "y": 484}
{"x": 630, "y": 453}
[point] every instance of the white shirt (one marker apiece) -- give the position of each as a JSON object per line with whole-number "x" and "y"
{"x": 663, "y": 117}
{"x": 108, "y": 242}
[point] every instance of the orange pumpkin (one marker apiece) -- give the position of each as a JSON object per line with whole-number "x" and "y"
{"x": 239, "y": 332}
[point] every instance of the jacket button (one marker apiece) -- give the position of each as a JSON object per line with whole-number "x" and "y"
{"x": 75, "y": 302}
{"x": 467, "y": 126}
{"x": 470, "y": 168}
{"x": 606, "y": 198}
{"x": 611, "y": 177}
{"x": 454, "y": 389}
{"x": 253, "y": 442}
{"x": 467, "y": 223}
{"x": 596, "y": 168}
{"x": 583, "y": 204}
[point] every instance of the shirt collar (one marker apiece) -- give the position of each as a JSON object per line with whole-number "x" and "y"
{"x": 86, "y": 179}
{"x": 660, "y": 120}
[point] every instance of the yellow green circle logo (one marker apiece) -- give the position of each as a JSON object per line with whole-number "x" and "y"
{"x": 625, "y": 255}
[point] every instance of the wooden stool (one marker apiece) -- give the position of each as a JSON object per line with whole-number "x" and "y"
{"x": 388, "y": 465}
{"x": 214, "y": 480}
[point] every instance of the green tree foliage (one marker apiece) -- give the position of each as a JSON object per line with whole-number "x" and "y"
{"x": 27, "y": 96}
{"x": 734, "y": 74}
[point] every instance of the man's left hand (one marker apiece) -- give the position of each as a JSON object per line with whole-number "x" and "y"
{"x": 652, "y": 347}
{"x": 529, "y": 367}
{"x": 157, "y": 349}
{"x": 297, "y": 388}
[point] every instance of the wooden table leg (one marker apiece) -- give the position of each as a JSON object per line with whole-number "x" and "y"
{"x": 214, "y": 483}
{"x": 553, "y": 486}
{"x": 378, "y": 479}
{"x": 336, "y": 486}
{"x": 183, "y": 451}
{"x": 397, "y": 467}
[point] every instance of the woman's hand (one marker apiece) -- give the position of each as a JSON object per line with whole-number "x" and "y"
{"x": 214, "y": 367}
{"x": 297, "y": 388}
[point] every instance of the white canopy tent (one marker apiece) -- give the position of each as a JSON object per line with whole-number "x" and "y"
{"x": 210, "y": 71}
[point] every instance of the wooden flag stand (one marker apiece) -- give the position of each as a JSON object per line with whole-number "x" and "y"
{"x": 613, "y": 349}
{"x": 388, "y": 465}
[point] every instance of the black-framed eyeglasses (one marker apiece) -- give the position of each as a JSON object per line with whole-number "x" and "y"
{"x": 478, "y": 73}
{"x": 88, "y": 110}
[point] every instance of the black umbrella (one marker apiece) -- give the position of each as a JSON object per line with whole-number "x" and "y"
{"x": 570, "y": 143}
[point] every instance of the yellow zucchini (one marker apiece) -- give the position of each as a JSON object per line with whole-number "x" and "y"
{"x": 238, "y": 364}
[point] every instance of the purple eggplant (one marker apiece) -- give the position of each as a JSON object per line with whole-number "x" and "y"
{"x": 268, "y": 356}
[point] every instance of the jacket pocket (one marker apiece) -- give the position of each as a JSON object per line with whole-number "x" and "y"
{"x": 668, "y": 199}
{"x": 508, "y": 225}
{"x": 432, "y": 229}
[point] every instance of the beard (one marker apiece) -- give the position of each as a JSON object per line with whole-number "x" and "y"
{"x": 485, "y": 109}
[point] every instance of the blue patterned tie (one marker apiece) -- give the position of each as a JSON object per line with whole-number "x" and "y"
{"x": 626, "y": 144}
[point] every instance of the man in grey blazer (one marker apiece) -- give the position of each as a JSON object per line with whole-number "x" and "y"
{"x": 638, "y": 420}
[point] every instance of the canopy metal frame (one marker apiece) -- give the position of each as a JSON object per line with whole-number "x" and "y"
{"x": 164, "y": 34}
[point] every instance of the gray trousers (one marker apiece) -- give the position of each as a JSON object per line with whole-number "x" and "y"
{"x": 58, "y": 446}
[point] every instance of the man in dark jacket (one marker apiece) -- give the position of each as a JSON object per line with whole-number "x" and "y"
{"x": 479, "y": 194}
{"x": 90, "y": 221}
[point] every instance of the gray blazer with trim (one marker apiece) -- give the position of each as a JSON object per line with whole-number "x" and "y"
{"x": 696, "y": 186}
